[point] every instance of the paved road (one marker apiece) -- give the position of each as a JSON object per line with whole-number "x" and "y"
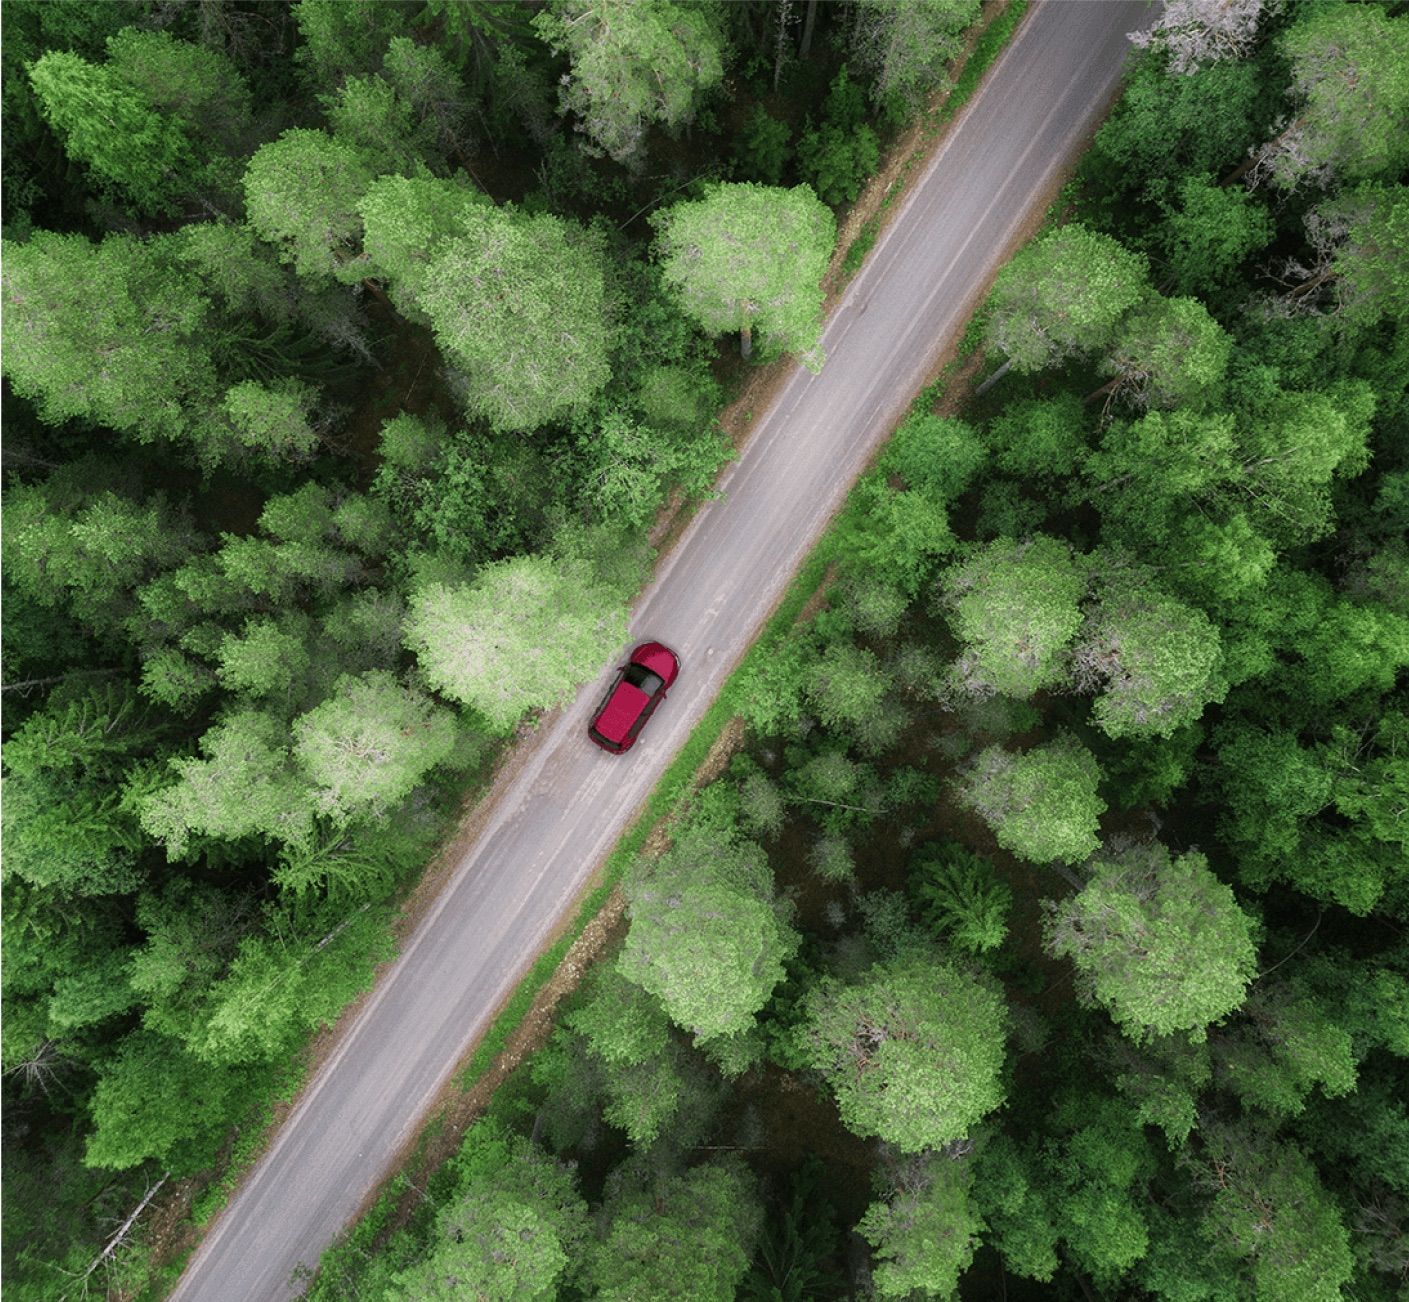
{"x": 568, "y": 803}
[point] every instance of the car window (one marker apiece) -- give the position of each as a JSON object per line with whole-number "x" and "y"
{"x": 640, "y": 676}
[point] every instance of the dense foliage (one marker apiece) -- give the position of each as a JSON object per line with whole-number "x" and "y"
{"x": 1047, "y": 932}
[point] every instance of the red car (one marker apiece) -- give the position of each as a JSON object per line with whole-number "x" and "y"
{"x": 640, "y": 687}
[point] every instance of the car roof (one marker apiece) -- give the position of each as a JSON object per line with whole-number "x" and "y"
{"x": 621, "y": 711}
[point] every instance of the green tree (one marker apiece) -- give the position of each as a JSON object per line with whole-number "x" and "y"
{"x": 1043, "y": 438}
{"x": 1014, "y": 607}
{"x": 69, "y": 302}
{"x": 522, "y": 636}
{"x": 689, "y": 1235}
{"x": 371, "y": 743}
{"x": 197, "y": 87}
{"x": 244, "y": 786}
{"x": 838, "y": 157}
{"x": 913, "y": 1050}
{"x": 514, "y": 1227}
{"x": 154, "y": 1100}
{"x": 852, "y": 693}
{"x": 750, "y": 255}
{"x": 1211, "y": 232}
{"x": 1319, "y": 815}
{"x": 1064, "y": 293}
{"x": 632, "y": 64}
{"x": 763, "y": 147}
{"x": 108, "y": 124}
{"x": 1042, "y": 804}
{"x": 273, "y": 418}
{"x": 1157, "y": 660}
{"x": 518, "y": 303}
{"x": 1361, "y": 238}
{"x": 1270, "y": 1208}
{"x": 906, "y": 47}
{"x": 925, "y": 1231}
{"x": 285, "y": 981}
{"x": 959, "y": 897}
{"x": 266, "y": 658}
{"x": 68, "y": 825}
{"x": 1159, "y": 941}
{"x": 341, "y": 40}
{"x": 1350, "y": 73}
{"x": 1285, "y": 1043}
{"x": 1169, "y": 353}
{"x": 72, "y": 542}
{"x": 301, "y": 193}
{"x": 628, "y": 467}
{"x": 707, "y": 937}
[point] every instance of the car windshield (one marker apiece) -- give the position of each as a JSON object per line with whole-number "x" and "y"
{"x": 640, "y": 676}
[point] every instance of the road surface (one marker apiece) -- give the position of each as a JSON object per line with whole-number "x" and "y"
{"x": 565, "y": 807}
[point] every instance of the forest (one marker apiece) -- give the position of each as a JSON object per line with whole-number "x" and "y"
{"x": 1044, "y": 937}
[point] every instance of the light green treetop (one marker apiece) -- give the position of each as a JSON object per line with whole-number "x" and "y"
{"x": 750, "y": 255}
{"x": 1169, "y": 353}
{"x": 514, "y": 1227}
{"x": 108, "y": 332}
{"x": 1158, "y": 660}
{"x": 913, "y": 1050}
{"x": 404, "y": 218}
{"x": 1159, "y": 941}
{"x": 707, "y": 937}
{"x": 1271, "y": 1209}
{"x": 632, "y": 63}
{"x": 1064, "y": 293}
{"x": 107, "y": 123}
{"x": 906, "y": 47}
{"x": 370, "y": 744}
{"x": 1015, "y": 608}
{"x": 244, "y": 786}
{"x": 519, "y": 303}
{"x": 522, "y": 636}
{"x": 674, "y": 1236}
{"x": 301, "y": 192}
{"x": 925, "y": 1234}
{"x": 1350, "y": 69}
{"x": 1042, "y": 804}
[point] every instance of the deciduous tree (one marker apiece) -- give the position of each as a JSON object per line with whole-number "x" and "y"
{"x": 750, "y": 255}
{"x": 707, "y": 937}
{"x": 1157, "y": 660}
{"x": 1064, "y": 293}
{"x": 514, "y": 1227}
{"x": 925, "y": 1230}
{"x": 301, "y": 193}
{"x": 371, "y": 743}
{"x": 1350, "y": 75}
{"x": 1159, "y": 941}
{"x": 687, "y": 1235}
{"x": 632, "y": 63}
{"x": 109, "y": 332}
{"x": 1015, "y": 608}
{"x": 1042, "y": 804}
{"x": 913, "y": 1050}
{"x": 522, "y": 636}
{"x": 906, "y": 47}
{"x": 519, "y": 304}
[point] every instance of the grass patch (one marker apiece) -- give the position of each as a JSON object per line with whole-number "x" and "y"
{"x": 857, "y": 250}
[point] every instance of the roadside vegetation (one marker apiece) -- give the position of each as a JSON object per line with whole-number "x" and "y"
{"x": 1046, "y": 936}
